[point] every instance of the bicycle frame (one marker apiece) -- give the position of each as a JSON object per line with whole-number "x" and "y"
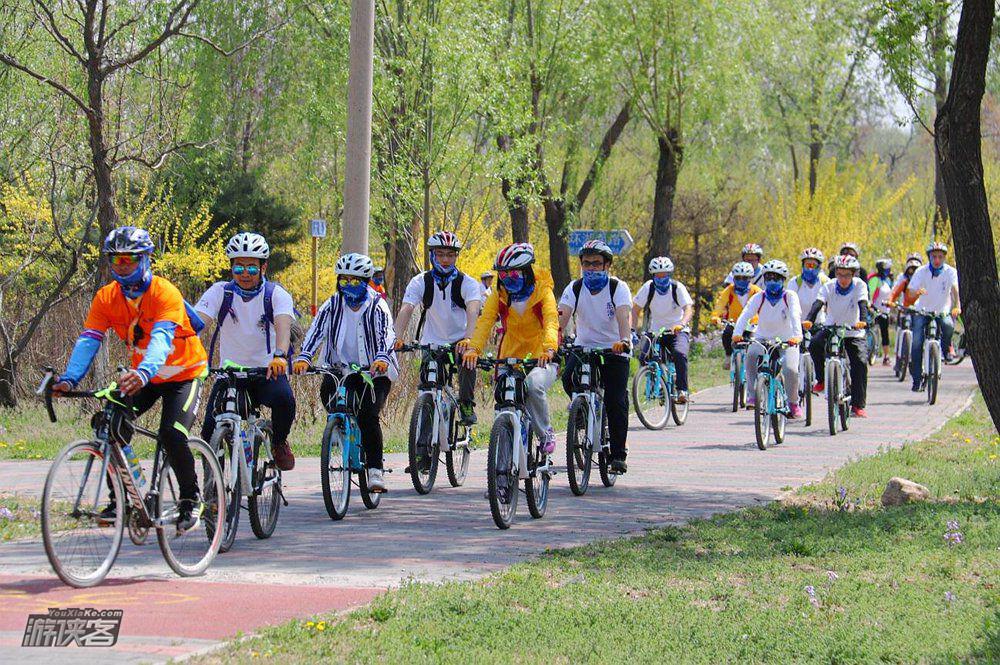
{"x": 445, "y": 403}
{"x": 241, "y": 427}
{"x": 662, "y": 368}
{"x": 594, "y": 394}
{"x": 770, "y": 364}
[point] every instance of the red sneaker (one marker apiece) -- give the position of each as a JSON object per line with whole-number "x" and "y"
{"x": 283, "y": 457}
{"x": 819, "y": 387}
{"x": 858, "y": 412}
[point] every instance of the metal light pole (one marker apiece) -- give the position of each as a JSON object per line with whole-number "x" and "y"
{"x": 357, "y": 179}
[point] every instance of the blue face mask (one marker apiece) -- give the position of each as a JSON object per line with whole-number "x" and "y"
{"x": 741, "y": 285}
{"x": 810, "y": 275}
{"x": 248, "y": 294}
{"x": 377, "y": 281}
{"x": 517, "y": 287}
{"x": 843, "y": 291}
{"x": 355, "y": 295}
{"x": 661, "y": 284}
{"x": 773, "y": 289}
{"x": 442, "y": 275}
{"x": 136, "y": 282}
{"x": 936, "y": 271}
{"x": 883, "y": 273}
{"x": 595, "y": 280}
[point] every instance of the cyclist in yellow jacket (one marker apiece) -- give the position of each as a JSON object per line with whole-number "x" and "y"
{"x": 524, "y": 303}
{"x": 729, "y": 305}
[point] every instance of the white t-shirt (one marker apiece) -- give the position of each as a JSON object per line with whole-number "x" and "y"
{"x": 807, "y": 294}
{"x": 596, "y": 325}
{"x": 241, "y": 339}
{"x": 350, "y": 321}
{"x": 938, "y": 296}
{"x": 880, "y": 298}
{"x": 843, "y": 310}
{"x": 781, "y": 320}
{"x": 663, "y": 313}
{"x": 444, "y": 322}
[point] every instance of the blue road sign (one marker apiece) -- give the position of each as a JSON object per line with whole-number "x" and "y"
{"x": 619, "y": 240}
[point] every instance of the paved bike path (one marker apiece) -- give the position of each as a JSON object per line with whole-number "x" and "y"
{"x": 312, "y": 564}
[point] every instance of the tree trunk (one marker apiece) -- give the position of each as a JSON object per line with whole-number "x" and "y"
{"x": 555, "y": 222}
{"x": 8, "y": 392}
{"x": 696, "y": 320}
{"x": 107, "y": 212}
{"x": 518, "y": 209}
{"x": 939, "y": 41}
{"x": 815, "y": 151}
{"x": 959, "y": 148}
{"x": 668, "y": 168}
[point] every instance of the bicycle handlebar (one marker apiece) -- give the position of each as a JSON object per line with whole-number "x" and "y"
{"x": 490, "y": 363}
{"x": 49, "y": 380}
{"x": 337, "y": 369}
{"x": 239, "y": 372}
{"x": 414, "y": 346}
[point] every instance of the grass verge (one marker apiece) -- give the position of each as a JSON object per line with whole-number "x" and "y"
{"x": 817, "y": 579}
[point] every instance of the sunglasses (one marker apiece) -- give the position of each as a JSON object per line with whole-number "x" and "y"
{"x": 351, "y": 281}
{"x": 510, "y": 274}
{"x": 124, "y": 259}
{"x": 250, "y": 270}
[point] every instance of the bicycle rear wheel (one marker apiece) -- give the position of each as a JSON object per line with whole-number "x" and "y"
{"x": 845, "y": 401}
{"x": 335, "y": 475}
{"x": 368, "y": 497}
{"x": 761, "y": 418}
{"x": 190, "y": 553}
{"x": 873, "y": 346}
{"x": 222, "y": 441}
{"x": 651, "y": 398}
{"x": 80, "y": 546}
{"x": 265, "y": 502}
{"x": 778, "y": 418}
{"x": 536, "y": 485}
{"x": 904, "y": 354}
{"x": 739, "y": 383}
{"x": 933, "y": 372}
{"x": 422, "y": 449}
{"x": 579, "y": 451}
{"x": 608, "y": 477}
{"x": 501, "y": 477}
{"x": 808, "y": 374}
{"x": 456, "y": 460}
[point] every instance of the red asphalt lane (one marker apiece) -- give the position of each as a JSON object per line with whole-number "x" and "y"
{"x": 195, "y": 610}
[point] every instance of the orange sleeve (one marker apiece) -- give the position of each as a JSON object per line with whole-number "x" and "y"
{"x": 896, "y": 290}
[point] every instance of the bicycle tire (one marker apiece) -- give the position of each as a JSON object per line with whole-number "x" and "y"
{"x": 172, "y": 547}
{"x": 264, "y": 505}
{"x": 422, "y": 452}
{"x": 845, "y": 402}
{"x": 832, "y": 380}
{"x": 222, "y": 439}
{"x": 536, "y": 485}
{"x": 336, "y": 481}
{"x": 608, "y": 477}
{"x": 92, "y": 574}
{"x": 646, "y": 416}
{"x": 778, "y": 419}
{"x": 806, "y": 395}
{"x": 579, "y": 456}
{"x": 456, "y": 460}
{"x": 933, "y": 373}
{"x": 679, "y": 412}
{"x": 370, "y": 499}
{"x": 501, "y": 489}
{"x": 739, "y": 382}
{"x": 761, "y": 419}
{"x": 904, "y": 358}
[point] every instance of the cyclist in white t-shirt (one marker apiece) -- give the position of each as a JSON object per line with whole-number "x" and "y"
{"x": 807, "y": 284}
{"x": 666, "y": 308}
{"x": 935, "y": 286}
{"x": 601, "y": 306}
{"x": 779, "y": 316}
{"x": 450, "y": 302}
{"x": 254, "y": 330}
{"x": 751, "y": 253}
{"x": 845, "y": 300}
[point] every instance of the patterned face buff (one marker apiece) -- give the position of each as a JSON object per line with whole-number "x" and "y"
{"x": 810, "y": 275}
{"x": 595, "y": 280}
{"x": 741, "y": 285}
{"x": 354, "y": 290}
{"x": 773, "y": 288}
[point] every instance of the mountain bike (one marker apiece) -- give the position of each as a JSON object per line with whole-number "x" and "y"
{"x": 434, "y": 422}
{"x": 341, "y": 454}
{"x": 931, "y": 353}
{"x": 837, "y": 379}
{"x": 242, "y": 444}
{"x": 82, "y": 539}
{"x": 587, "y": 427}
{"x": 904, "y": 341}
{"x": 654, "y": 386}
{"x": 807, "y": 376}
{"x": 771, "y": 400}
{"x": 514, "y": 455}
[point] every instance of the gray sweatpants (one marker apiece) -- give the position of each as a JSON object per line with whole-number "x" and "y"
{"x": 536, "y": 400}
{"x": 790, "y": 370}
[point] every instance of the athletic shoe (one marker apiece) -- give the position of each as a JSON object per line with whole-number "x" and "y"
{"x": 858, "y": 412}
{"x": 376, "y": 483}
{"x": 794, "y": 412}
{"x": 549, "y": 443}
{"x": 283, "y": 457}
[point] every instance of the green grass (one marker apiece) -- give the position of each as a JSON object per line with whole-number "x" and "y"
{"x": 886, "y": 586}
{"x": 18, "y": 517}
{"x": 26, "y": 433}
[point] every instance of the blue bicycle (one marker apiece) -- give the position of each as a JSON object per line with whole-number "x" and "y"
{"x": 341, "y": 453}
{"x": 654, "y": 386}
{"x": 771, "y": 407}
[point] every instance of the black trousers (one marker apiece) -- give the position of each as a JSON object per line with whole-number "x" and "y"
{"x": 614, "y": 379}
{"x": 466, "y": 380}
{"x": 274, "y": 393}
{"x": 370, "y": 402}
{"x": 727, "y": 338}
{"x": 883, "y": 327}
{"x": 179, "y": 406}
{"x": 857, "y": 354}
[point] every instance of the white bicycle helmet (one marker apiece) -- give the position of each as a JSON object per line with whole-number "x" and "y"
{"x": 883, "y": 262}
{"x": 915, "y": 256}
{"x": 914, "y": 262}
{"x": 846, "y": 261}
{"x": 597, "y": 246}
{"x": 775, "y": 266}
{"x": 515, "y": 256}
{"x": 752, "y": 248}
{"x": 660, "y": 264}
{"x": 248, "y": 245}
{"x": 742, "y": 269}
{"x": 851, "y": 246}
{"x": 812, "y": 253}
{"x": 444, "y": 240}
{"x": 355, "y": 265}
{"x": 937, "y": 247}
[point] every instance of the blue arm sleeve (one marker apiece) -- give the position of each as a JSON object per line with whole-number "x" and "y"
{"x": 160, "y": 340}
{"x": 83, "y": 354}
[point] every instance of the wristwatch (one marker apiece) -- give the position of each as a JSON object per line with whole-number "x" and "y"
{"x": 280, "y": 354}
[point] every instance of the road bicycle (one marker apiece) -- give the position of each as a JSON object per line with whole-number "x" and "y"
{"x": 514, "y": 455}
{"x": 434, "y": 425}
{"x": 242, "y": 444}
{"x": 97, "y": 487}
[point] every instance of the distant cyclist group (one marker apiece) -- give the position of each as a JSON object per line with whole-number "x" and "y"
{"x": 516, "y": 328}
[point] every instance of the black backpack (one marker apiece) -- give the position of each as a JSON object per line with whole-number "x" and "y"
{"x": 429, "y": 286}
{"x": 649, "y": 300}
{"x": 578, "y": 286}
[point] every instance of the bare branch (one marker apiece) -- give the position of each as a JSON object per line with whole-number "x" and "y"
{"x": 49, "y": 24}
{"x": 158, "y": 162}
{"x": 236, "y": 49}
{"x": 176, "y": 20}
{"x": 12, "y": 62}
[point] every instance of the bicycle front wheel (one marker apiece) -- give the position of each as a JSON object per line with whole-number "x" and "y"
{"x": 422, "y": 449}
{"x": 579, "y": 450}
{"x": 501, "y": 474}
{"x": 738, "y": 381}
{"x": 222, "y": 441}
{"x": 808, "y": 374}
{"x": 456, "y": 461}
{"x": 335, "y": 475}
{"x": 933, "y": 372}
{"x": 190, "y": 552}
{"x": 265, "y": 501}
{"x": 651, "y": 397}
{"x": 904, "y": 354}
{"x": 761, "y": 418}
{"x": 81, "y": 545}
{"x": 536, "y": 485}
{"x": 778, "y": 418}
